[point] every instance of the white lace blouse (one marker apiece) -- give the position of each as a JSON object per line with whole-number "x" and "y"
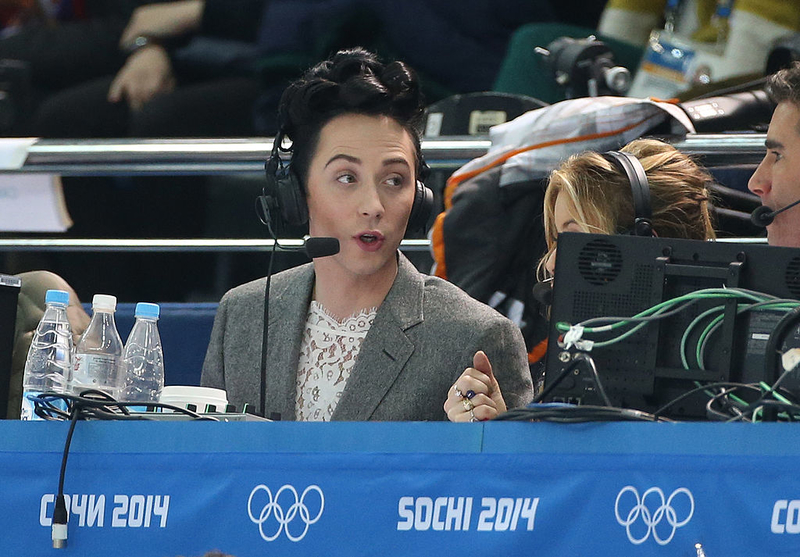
{"x": 327, "y": 356}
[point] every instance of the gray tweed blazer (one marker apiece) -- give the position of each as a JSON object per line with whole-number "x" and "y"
{"x": 423, "y": 337}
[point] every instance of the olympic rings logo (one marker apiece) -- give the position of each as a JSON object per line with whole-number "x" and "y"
{"x": 651, "y": 519}
{"x": 274, "y": 511}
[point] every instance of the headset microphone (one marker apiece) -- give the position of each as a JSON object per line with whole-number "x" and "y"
{"x": 321, "y": 246}
{"x": 763, "y": 216}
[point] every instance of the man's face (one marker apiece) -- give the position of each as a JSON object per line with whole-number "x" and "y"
{"x": 361, "y": 184}
{"x": 777, "y": 179}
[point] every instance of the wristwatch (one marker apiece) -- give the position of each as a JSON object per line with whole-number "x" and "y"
{"x": 138, "y": 43}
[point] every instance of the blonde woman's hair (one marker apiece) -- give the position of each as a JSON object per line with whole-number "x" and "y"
{"x": 602, "y": 197}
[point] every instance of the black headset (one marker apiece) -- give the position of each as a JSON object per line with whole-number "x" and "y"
{"x": 284, "y": 195}
{"x": 640, "y": 188}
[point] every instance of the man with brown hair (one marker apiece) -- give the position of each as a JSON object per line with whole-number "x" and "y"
{"x": 777, "y": 179}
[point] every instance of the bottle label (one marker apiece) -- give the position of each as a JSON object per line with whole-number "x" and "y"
{"x": 28, "y": 410}
{"x": 96, "y": 371}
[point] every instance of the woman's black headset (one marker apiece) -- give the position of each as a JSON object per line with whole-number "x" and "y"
{"x": 284, "y": 196}
{"x": 640, "y": 188}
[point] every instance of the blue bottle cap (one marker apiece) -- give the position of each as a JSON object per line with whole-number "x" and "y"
{"x": 56, "y": 297}
{"x": 146, "y": 310}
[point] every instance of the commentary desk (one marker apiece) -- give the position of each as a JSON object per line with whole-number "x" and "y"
{"x": 271, "y": 489}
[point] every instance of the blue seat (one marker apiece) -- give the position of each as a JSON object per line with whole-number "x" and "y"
{"x": 185, "y": 329}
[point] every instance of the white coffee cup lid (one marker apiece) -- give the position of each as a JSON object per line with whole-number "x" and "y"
{"x": 200, "y": 397}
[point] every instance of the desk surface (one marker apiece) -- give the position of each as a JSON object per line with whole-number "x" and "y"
{"x": 700, "y": 438}
{"x": 182, "y": 488}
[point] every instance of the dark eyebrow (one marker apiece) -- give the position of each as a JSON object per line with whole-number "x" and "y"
{"x": 348, "y": 158}
{"x": 396, "y": 160}
{"x": 356, "y": 160}
{"x": 772, "y": 144}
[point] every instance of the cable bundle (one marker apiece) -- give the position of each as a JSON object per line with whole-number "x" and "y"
{"x": 92, "y": 404}
{"x": 570, "y": 413}
{"x": 728, "y": 401}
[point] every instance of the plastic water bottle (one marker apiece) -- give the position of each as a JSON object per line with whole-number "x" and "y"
{"x": 49, "y": 363}
{"x": 143, "y": 359}
{"x": 98, "y": 355}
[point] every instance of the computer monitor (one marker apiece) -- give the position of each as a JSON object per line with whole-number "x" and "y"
{"x": 9, "y": 293}
{"x": 620, "y": 275}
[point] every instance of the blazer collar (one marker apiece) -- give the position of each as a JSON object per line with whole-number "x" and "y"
{"x": 405, "y": 297}
{"x": 386, "y": 348}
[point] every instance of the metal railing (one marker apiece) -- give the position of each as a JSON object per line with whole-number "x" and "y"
{"x": 247, "y": 155}
{"x": 198, "y": 156}
{"x": 225, "y": 156}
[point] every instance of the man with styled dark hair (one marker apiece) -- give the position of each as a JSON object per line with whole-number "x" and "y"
{"x": 777, "y": 179}
{"x": 359, "y": 334}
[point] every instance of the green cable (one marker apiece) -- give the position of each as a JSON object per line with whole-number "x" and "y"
{"x": 769, "y": 305}
{"x": 631, "y": 331}
{"x": 707, "y": 293}
{"x": 768, "y": 390}
{"x": 762, "y": 303}
{"x": 687, "y": 331}
{"x": 698, "y": 353}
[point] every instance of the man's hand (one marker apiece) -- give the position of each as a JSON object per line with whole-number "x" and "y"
{"x": 475, "y": 396}
{"x": 162, "y": 21}
{"x": 148, "y": 72}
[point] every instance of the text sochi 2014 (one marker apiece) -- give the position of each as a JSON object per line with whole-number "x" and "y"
{"x": 495, "y": 514}
{"x": 126, "y": 511}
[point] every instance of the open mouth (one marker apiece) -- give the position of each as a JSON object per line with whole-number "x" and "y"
{"x": 370, "y": 241}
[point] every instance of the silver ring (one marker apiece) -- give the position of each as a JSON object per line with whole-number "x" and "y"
{"x": 458, "y": 392}
{"x": 472, "y": 417}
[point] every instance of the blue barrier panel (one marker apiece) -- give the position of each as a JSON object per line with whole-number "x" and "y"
{"x": 404, "y": 488}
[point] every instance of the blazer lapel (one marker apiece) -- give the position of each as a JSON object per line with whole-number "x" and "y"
{"x": 287, "y": 318}
{"x": 386, "y": 348}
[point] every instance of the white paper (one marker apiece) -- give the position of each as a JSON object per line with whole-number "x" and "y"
{"x": 14, "y": 151}
{"x": 32, "y": 203}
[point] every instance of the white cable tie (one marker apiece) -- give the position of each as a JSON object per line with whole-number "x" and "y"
{"x": 586, "y": 345}
{"x": 572, "y": 336}
{"x": 790, "y": 358}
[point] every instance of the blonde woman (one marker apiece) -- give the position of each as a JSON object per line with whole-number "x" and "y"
{"x": 590, "y": 192}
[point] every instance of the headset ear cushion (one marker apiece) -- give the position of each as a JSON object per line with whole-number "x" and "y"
{"x": 422, "y": 208}
{"x": 290, "y": 196}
